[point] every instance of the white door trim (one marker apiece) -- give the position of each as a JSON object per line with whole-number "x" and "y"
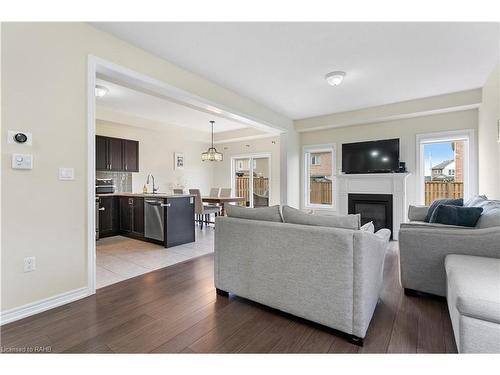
{"x": 470, "y": 159}
{"x": 258, "y": 155}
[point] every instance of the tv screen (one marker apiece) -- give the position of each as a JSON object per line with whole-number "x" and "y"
{"x": 371, "y": 157}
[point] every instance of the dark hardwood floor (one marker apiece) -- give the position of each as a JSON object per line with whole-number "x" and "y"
{"x": 176, "y": 310}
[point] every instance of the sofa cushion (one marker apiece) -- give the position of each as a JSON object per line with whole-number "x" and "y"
{"x": 474, "y": 283}
{"x": 294, "y": 216}
{"x": 368, "y": 227}
{"x": 417, "y": 213}
{"x": 438, "y": 202}
{"x": 489, "y": 218}
{"x": 472, "y": 202}
{"x": 456, "y": 215}
{"x": 262, "y": 213}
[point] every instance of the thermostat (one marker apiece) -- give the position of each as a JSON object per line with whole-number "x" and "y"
{"x": 19, "y": 137}
{"x": 22, "y": 161}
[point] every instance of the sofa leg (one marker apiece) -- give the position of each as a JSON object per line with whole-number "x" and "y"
{"x": 355, "y": 340}
{"x": 410, "y": 292}
{"x": 221, "y": 292}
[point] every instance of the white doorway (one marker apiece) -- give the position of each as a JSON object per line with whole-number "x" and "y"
{"x": 251, "y": 178}
{"x": 101, "y": 69}
{"x": 446, "y": 165}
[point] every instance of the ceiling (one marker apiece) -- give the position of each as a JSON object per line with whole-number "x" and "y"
{"x": 282, "y": 65}
{"x": 134, "y": 104}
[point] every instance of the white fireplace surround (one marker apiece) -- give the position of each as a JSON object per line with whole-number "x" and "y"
{"x": 376, "y": 183}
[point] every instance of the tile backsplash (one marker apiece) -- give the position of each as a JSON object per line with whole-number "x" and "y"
{"x": 122, "y": 180}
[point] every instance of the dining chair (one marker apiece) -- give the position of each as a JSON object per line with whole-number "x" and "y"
{"x": 202, "y": 212}
{"x": 178, "y": 191}
{"x": 225, "y": 192}
{"x": 214, "y": 192}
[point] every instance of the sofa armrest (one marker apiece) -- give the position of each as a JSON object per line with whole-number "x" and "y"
{"x": 423, "y": 249}
{"x": 417, "y": 213}
{"x": 369, "y": 256}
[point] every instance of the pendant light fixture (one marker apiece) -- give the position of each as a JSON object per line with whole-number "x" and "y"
{"x": 212, "y": 154}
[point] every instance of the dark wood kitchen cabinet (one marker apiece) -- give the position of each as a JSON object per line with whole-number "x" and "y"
{"x": 130, "y": 155}
{"x": 116, "y": 154}
{"x": 138, "y": 217}
{"x": 109, "y": 219}
{"x": 132, "y": 216}
{"x": 101, "y": 156}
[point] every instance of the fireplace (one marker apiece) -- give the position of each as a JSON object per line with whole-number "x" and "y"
{"x": 372, "y": 207}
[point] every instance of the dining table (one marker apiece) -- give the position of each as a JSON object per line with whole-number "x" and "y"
{"x": 222, "y": 201}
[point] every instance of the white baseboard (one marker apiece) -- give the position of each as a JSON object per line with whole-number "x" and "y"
{"x": 33, "y": 308}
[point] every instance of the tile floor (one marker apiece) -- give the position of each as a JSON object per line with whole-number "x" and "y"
{"x": 119, "y": 258}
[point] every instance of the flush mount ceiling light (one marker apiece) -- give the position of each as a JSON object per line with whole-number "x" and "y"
{"x": 100, "y": 91}
{"x": 335, "y": 78}
{"x": 212, "y": 154}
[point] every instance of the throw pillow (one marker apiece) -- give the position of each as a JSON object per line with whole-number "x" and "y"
{"x": 489, "y": 218}
{"x": 456, "y": 215}
{"x": 474, "y": 201}
{"x": 368, "y": 227}
{"x": 262, "y": 213}
{"x": 437, "y": 202}
{"x": 294, "y": 216}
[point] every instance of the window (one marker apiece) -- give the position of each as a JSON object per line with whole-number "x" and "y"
{"x": 446, "y": 165}
{"x": 319, "y": 176}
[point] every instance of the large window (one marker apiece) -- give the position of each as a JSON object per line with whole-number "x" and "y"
{"x": 319, "y": 176}
{"x": 445, "y": 165}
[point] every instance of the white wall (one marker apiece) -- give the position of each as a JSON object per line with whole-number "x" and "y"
{"x": 489, "y": 148}
{"x": 405, "y": 129}
{"x": 222, "y": 170}
{"x": 156, "y": 155}
{"x": 44, "y": 86}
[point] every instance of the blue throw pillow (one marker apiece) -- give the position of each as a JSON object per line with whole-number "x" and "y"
{"x": 437, "y": 202}
{"x": 456, "y": 215}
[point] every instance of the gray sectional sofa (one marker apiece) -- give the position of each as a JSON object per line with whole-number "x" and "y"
{"x": 461, "y": 264}
{"x": 424, "y": 246}
{"x": 329, "y": 275}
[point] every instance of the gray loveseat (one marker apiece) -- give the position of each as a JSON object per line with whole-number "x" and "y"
{"x": 331, "y": 276}
{"x": 424, "y": 246}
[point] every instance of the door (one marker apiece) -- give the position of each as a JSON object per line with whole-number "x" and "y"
{"x": 126, "y": 207}
{"x": 105, "y": 216}
{"x": 101, "y": 153}
{"x": 251, "y": 179}
{"x": 115, "y": 154}
{"x": 138, "y": 216}
{"x": 130, "y": 155}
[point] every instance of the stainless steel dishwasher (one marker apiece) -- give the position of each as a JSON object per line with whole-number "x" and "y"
{"x": 154, "y": 226}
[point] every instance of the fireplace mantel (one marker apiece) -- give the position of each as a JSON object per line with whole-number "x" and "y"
{"x": 376, "y": 183}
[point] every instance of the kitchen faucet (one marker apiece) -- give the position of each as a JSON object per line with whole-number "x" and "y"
{"x": 155, "y": 189}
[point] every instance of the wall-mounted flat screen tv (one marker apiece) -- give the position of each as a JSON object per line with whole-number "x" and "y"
{"x": 371, "y": 157}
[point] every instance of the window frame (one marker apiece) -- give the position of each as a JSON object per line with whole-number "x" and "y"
{"x": 306, "y": 161}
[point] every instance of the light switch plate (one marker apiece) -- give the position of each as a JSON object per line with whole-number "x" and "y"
{"x": 22, "y": 161}
{"x": 12, "y": 133}
{"x": 66, "y": 174}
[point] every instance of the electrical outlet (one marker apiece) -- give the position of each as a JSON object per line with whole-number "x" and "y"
{"x": 29, "y": 264}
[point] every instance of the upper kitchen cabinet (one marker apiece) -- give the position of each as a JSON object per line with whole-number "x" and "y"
{"x": 116, "y": 154}
{"x": 131, "y": 155}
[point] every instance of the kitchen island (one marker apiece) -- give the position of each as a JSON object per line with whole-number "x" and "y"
{"x": 166, "y": 219}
